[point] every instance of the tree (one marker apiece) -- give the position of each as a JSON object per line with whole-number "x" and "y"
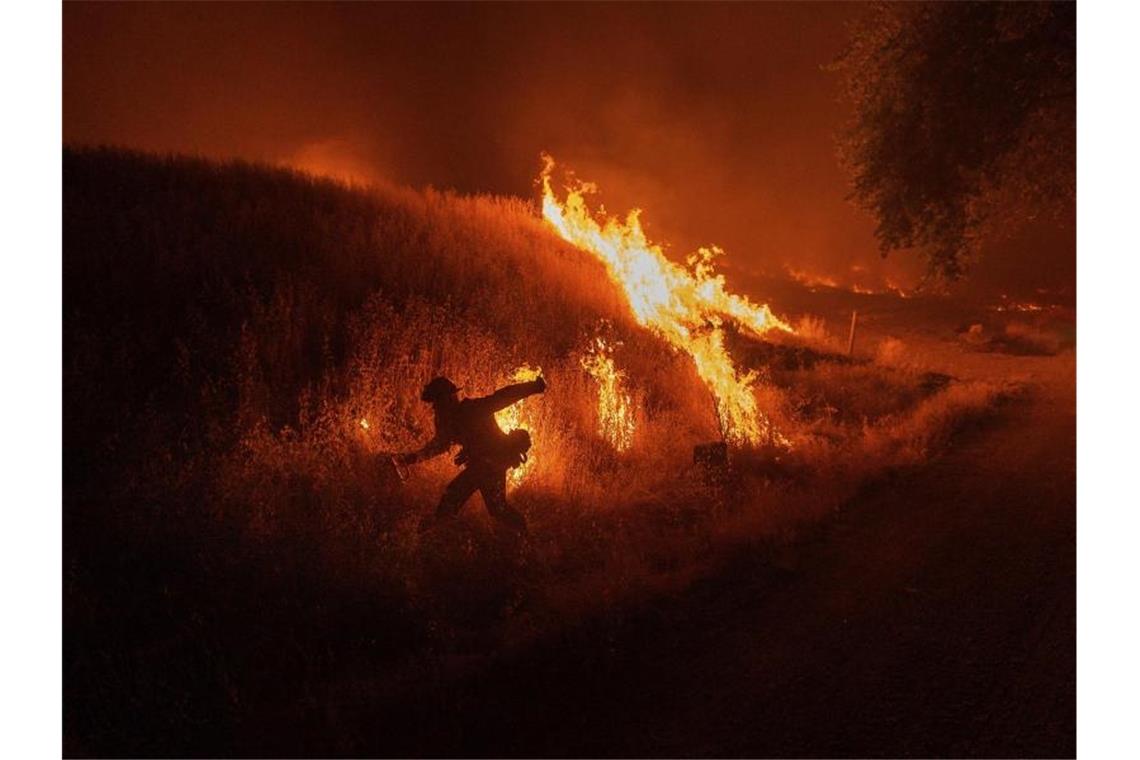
{"x": 963, "y": 122}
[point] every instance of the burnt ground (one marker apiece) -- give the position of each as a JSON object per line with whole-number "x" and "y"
{"x": 935, "y": 615}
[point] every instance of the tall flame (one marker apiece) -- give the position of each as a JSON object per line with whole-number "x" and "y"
{"x": 685, "y": 306}
{"x": 518, "y": 415}
{"x": 615, "y": 409}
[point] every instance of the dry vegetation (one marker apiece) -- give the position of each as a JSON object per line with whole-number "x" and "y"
{"x": 226, "y": 328}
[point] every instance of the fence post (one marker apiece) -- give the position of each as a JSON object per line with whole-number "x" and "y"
{"x": 851, "y": 336}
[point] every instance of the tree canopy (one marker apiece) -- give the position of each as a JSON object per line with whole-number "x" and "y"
{"x": 963, "y": 122}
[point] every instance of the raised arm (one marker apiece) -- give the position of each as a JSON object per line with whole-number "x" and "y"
{"x": 509, "y": 394}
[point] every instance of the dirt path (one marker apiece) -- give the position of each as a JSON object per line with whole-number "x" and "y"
{"x": 934, "y": 616}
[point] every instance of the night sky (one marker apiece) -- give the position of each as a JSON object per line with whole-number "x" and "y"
{"x": 717, "y": 120}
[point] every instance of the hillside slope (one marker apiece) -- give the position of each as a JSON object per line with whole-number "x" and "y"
{"x": 242, "y": 346}
{"x": 174, "y": 266}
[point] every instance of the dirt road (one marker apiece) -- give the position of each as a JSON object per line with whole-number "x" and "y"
{"x": 935, "y": 616}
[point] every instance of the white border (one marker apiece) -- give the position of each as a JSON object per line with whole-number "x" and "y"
{"x": 31, "y": 385}
{"x": 1108, "y": 379}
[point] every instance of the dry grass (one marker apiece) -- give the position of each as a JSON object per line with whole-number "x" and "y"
{"x": 228, "y": 327}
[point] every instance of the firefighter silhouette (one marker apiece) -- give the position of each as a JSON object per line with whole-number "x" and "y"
{"x": 486, "y": 454}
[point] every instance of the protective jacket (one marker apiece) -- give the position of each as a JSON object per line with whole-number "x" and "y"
{"x": 471, "y": 424}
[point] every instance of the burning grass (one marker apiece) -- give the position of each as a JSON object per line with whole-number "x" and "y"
{"x": 230, "y": 327}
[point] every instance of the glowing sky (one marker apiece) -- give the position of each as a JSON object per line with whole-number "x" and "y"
{"x": 718, "y": 120}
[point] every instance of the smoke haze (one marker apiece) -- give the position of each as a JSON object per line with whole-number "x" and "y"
{"x": 717, "y": 120}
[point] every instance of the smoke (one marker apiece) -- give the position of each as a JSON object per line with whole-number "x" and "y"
{"x": 717, "y": 120}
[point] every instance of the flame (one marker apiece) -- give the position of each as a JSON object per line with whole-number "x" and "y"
{"x": 810, "y": 279}
{"x": 364, "y": 423}
{"x": 615, "y": 409}
{"x": 520, "y": 415}
{"x": 685, "y": 306}
{"x": 1007, "y": 304}
{"x": 897, "y": 289}
{"x": 813, "y": 281}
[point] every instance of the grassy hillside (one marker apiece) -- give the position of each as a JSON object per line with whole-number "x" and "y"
{"x": 233, "y": 539}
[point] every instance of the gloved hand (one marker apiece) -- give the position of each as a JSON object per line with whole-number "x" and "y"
{"x": 541, "y": 382}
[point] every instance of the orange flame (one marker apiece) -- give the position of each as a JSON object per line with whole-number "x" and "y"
{"x": 520, "y": 415}
{"x": 685, "y": 306}
{"x": 615, "y": 409}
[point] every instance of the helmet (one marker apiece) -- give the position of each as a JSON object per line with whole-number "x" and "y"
{"x": 437, "y": 389}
